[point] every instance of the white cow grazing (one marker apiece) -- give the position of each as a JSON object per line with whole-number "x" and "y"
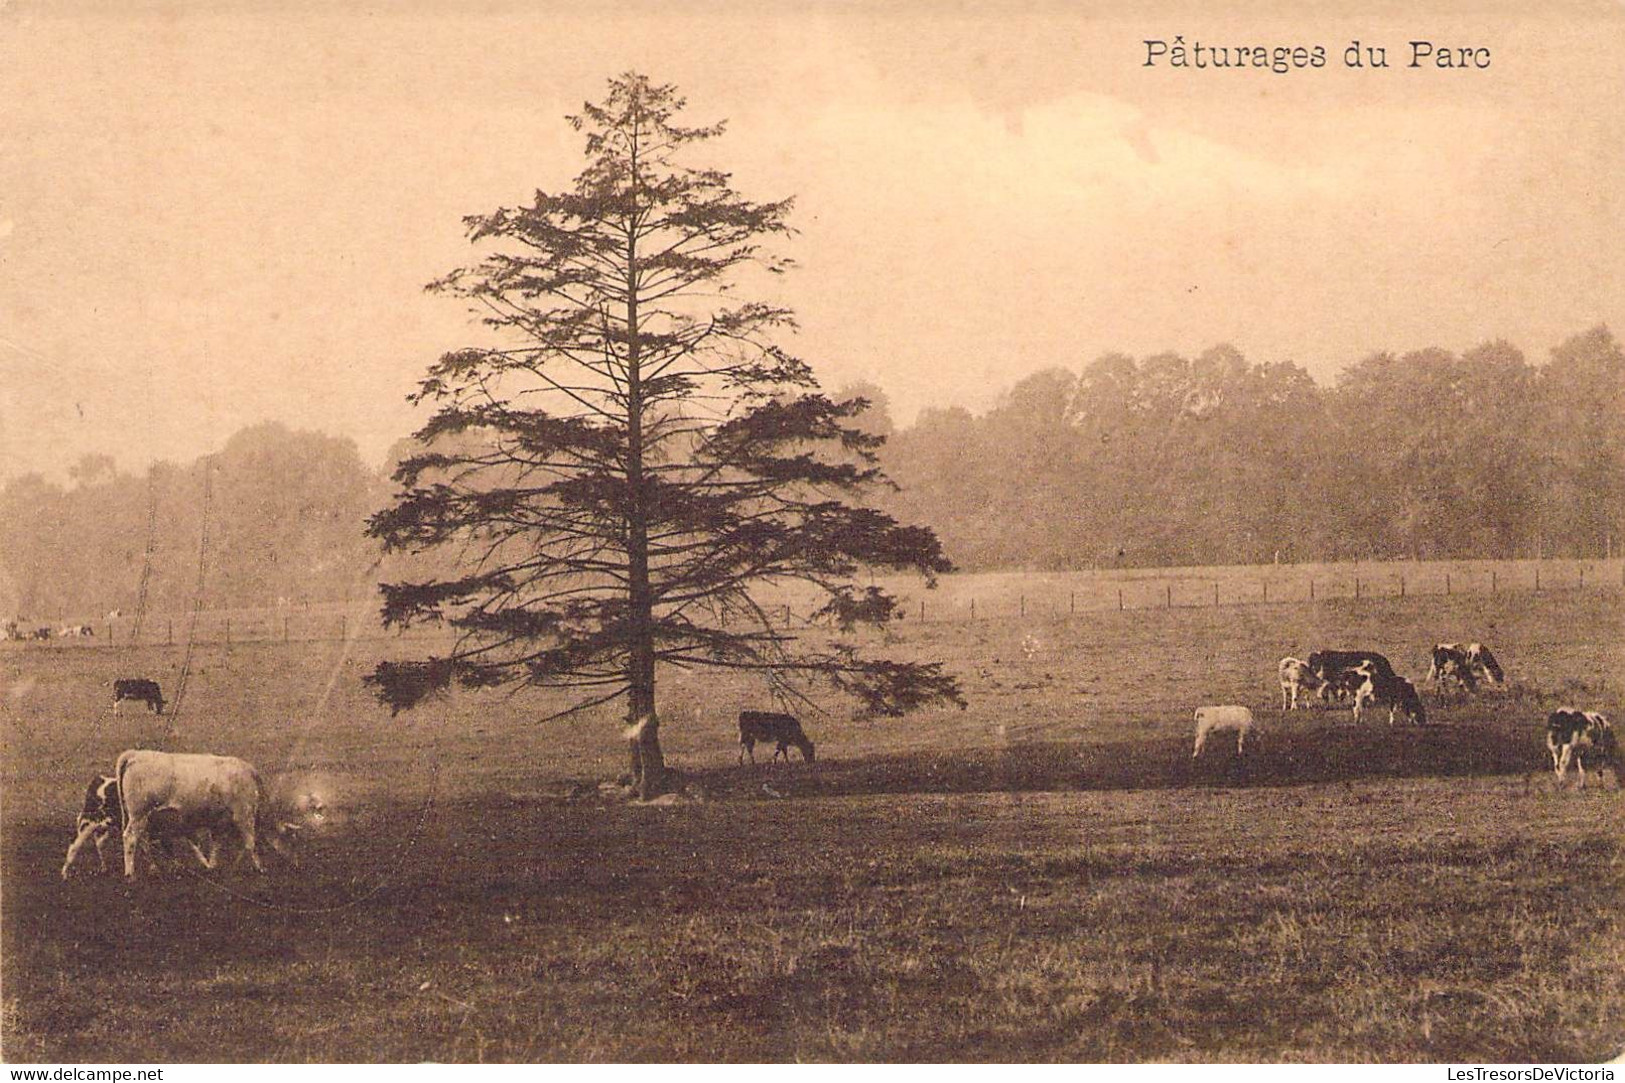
{"x": 216, "y": 792}
{"x": 1296, "y": 677}
{"x": 1231, "y": 719}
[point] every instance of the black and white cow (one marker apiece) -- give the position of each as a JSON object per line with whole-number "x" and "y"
{"x": 1335, "y": 671}
{"x": 1379, "y": 689}
{"x": 1573, "y": 736}
{"x": 1464, "y": 664}
{"x": 764, "y": 726}
{"x": 138, "y": 688}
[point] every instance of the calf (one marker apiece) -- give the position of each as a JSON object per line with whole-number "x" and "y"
{"x": 141, "y": 689}
{"x": 1387, "y": 690}
{"x": 1296, "y": 677}
{"x": 101, "y": 817}
{"x": 1571, "y": 735}
{"x": 782, "y": 729}
{"x": 1341, "y": 686}
{"x": 1232, "y": 719}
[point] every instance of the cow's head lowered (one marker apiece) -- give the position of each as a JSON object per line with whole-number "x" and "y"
{"x": 292, "y": 817}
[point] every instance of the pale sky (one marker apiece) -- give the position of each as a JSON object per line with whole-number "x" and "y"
{"x": 214, "y": 215}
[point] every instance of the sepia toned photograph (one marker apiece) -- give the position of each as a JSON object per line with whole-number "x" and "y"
{"x": 722, "y": 532}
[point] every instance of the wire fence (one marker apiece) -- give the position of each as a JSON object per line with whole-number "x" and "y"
{"x": 957, "y": 599}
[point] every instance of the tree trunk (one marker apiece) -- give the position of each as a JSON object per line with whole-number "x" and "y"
{"x": 648, "y": 763}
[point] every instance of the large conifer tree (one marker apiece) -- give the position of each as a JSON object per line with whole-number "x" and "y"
{"x": 635, "y": 452}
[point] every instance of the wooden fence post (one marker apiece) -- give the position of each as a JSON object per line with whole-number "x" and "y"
{"x": 1537, "y": 579}
{"x": 1119, "y": 598}
{"x": 343, "y": 629}
{"x": 1311, "y": 590}
{"x": 228, "y": 631}
{"x": 1447, "y": 584}
{"x": 1170, "y": 590}
{"x": 1024, "y": 605}
{"x": 1072, "y": 606}
{"x": 1402, "y": 586}
{"x": 1266, "y": 585}
{"x": 922, "y": 612}
{"x": 1215, "y": 592}
{"x": 284, "y": 629}
{"x": 1494, "y": 581}
{"x": 973, "y": 609}
{"x": 169, "y": 632}
{"x": 1356, "y": 588}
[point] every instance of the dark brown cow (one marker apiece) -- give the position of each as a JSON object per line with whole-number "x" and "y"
{"x": 138, "y": 688}
{"x": 782, "y": 729}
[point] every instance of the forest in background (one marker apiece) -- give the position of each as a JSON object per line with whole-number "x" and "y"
{"x": 1127, "y": 462}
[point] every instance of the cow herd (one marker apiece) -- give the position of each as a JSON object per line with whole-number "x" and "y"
{"x": 1367, "y": 679}
{"x": 157, "y": 802}
{"x": 164, "y": 801}
{"x": 14, "y": 630}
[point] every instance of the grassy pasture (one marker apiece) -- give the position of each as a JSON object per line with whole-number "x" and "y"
{"x": 956, "y": 598}
{"x": 1045, "y": 875}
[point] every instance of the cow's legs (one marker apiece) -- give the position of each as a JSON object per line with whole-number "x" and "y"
{"x": 207, "y": 860}
{"x": 86, "y": 831}
{"x": 245, "y": 831}
{"x": 1241, "y": 742}
{"x": 132, "y": 839}
{"x": 1201, "y": 739}
{"x": 104, "y": 835}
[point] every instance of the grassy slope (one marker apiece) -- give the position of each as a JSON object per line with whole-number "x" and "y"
{"x": 1113, "y": 902}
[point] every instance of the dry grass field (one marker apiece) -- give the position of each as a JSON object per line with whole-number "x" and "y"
{"x": 1044, "y": 876}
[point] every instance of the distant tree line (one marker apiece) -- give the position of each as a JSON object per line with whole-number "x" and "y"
{"x": 286, "y": 511}
{"x": 1167, "y": 460}
{"x": 1161, "y": 460}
